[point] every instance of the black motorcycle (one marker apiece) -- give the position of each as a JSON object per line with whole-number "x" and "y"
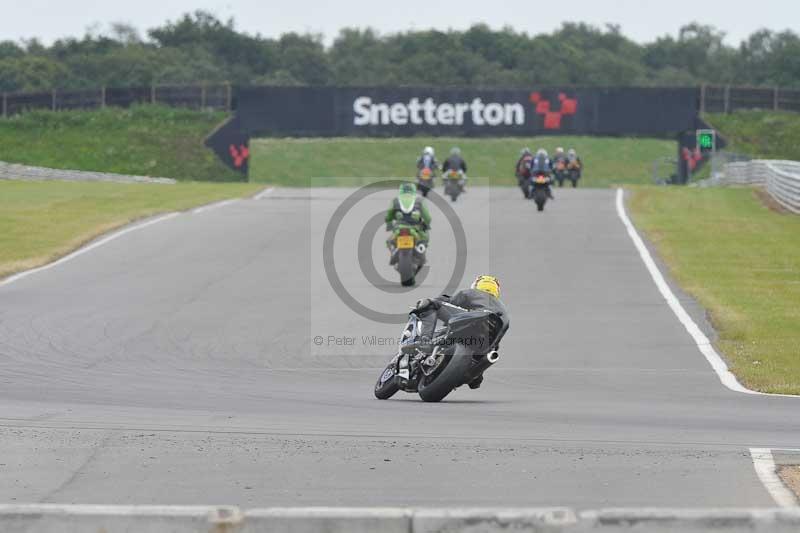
{"x": 539, "y": 189}
{"x": 522, "y": 181}
{"x": 425, "y": 181}
{"x": 560, "y": 172}
{"x": 457, "y": 353}
{"x": 407, "y": 251}
{"x": 453, "y": 183}
{"x": 574, "y": 172}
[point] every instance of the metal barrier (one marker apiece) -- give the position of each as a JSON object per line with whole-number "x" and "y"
{"x": 783, "y": 183}
{"x": 217, "y": 97}
{"x": 12, "y": 171}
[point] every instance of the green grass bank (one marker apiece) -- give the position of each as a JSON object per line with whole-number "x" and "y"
{"x": 41, "y": 221}
{"x": 741, "y": 260}
{"x": 760, "y": 134}
{"x": 144, "y": 140}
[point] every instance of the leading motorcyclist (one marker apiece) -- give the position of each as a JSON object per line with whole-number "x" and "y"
{"x": 484, "y": 293}
{"x": 408, "y": 208}
{"x": 541, "y": 164}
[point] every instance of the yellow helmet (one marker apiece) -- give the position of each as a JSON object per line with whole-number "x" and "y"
{"x": 487, "y": 284}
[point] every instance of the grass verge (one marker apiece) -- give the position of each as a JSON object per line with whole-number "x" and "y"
{"x": 741, "y": 260}
{"x": 143, "y": 140}
{"x": 294, "y": 162}
{"x": 760, "y": 134}
{"x": 41, "y": 221}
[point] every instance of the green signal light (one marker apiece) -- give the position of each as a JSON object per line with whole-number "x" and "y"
{"x": 705, "y": 140}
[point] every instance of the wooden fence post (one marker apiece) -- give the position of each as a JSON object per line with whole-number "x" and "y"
{"x": 5, "y": 105}
{"x": 703, "y": 98}
{"x": 102, "y": 97}
{"x": 203, "y": 96}
{"x": 153, "y": 94}
{"x": 53, "y": 100}
{"x": 775, "y": 104}
{"x": 228, "y": 96}
{"x": 727, "y": 98}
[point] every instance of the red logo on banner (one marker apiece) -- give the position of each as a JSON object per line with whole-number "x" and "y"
{"x": 239, "y": 154}
{"x": 552, "y": 118}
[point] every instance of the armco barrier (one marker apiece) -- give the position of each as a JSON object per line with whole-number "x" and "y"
{"x": 11, "y": 171}
{"x": 781, "y": 179}
{"x": 52, "y": 518}
{"x": 783, "y": 183}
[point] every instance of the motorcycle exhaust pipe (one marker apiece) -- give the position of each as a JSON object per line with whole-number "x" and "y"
{"x": 485, "y": 362}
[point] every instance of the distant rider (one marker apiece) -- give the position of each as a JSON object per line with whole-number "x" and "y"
{"x": 523, "y": 168}
{"x": 427, "y": 160}
{"x": 541, "y": 164}
{"x": 455, "y": 162}
{"x": 559, "y": 165}
{"x": 574, "y": 161}
{"x": 484, "y": 293}
{"x": 408, "y": 208}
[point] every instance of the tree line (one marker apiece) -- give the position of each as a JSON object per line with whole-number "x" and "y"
{"x": 201, "y": 48}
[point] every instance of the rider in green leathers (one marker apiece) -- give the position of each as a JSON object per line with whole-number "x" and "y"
{"x": 408, "y": 208}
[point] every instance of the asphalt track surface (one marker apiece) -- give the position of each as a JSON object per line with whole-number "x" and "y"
{"x": 177, "y": 365}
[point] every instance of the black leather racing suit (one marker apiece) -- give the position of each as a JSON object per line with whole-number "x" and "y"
{"x": 470, "y": 299}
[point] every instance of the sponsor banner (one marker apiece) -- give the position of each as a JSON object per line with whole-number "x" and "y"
{"x": 331, "y": 111}
{"x": 408, "y": 111}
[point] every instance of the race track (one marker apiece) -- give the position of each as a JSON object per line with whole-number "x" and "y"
{"x": 177, "y": 364}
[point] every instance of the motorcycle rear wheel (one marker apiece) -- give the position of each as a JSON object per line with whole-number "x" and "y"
{"x": 405, "y": 265}
{"x": 450, "y": 377}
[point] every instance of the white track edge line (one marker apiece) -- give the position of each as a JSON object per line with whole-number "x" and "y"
{"x": 263, "y": 194}
{"x": 764, "y": 464}
{"x": 703, "y": 343}
{"x": 215, "y": 205}
{"x": 87, "y": 248}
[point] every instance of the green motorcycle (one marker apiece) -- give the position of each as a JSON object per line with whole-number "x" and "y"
{"x": 407, "y": 245}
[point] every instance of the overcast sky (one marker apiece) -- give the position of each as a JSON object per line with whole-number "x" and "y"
{"x": 642, "y": 20}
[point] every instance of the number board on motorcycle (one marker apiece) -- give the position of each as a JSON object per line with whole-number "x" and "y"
{"x": 404, "y": 242}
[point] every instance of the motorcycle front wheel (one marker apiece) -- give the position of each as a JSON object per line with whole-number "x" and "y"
{"x": 386, "y": 386}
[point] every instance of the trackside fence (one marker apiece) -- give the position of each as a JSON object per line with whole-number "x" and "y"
{"x": 780, "y": 178}
{"x": 215, "y": 97}
{"x": 727, "y": 99}
{"x": 711, "y": 98}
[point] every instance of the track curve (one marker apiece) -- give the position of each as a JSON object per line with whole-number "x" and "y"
{"x": 177, "y": 364}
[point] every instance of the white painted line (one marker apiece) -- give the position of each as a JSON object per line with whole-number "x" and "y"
{"x": 703, "y": 343}
{"x": 766, "y": 471}
{"x": 88, "y": 248}
{"x": 263, "y": 194}
{"x": 215, "y": 205}
{"x": 110, "y": 510}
